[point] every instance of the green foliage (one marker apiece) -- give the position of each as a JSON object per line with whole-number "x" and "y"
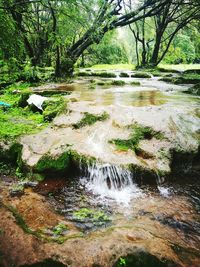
{"x": 181, "y": 51}
{"x": 109, "y": 51}
{"x": 138, "y": 133}
{"x": 90, "y": 119}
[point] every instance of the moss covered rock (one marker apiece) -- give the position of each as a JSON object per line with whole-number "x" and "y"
{"x": 53, "y": 107}
{"x": 141, "y": 75}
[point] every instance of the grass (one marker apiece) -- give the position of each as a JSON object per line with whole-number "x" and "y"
{"x": 180, "y": 67}
{"x": 89, "y": 119}
{"x": 113, "y": 67}
{"x": 19, "y": 119}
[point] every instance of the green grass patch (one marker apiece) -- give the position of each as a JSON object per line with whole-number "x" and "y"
{"x": 138, "y": 133}
{"x": 89, "y": 119}
{"x": 179, "y": 67}
{"x": 113, "y": 67}
{"x": 18, "y": 121}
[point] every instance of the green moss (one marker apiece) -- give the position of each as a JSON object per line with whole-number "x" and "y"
{"x": 54, "y": 107}
{"x": 135, "y": 83}
{"x": 48, "y": 163}
{"x": 118, "y": 82}
{"x": 104, "y": 74}
{"x": 20, "y": 221}
{"x": 84, "y": 213}
{"x": 17, "y": 121}
{"x": 89, "y": 119}
{"x": 195, "y": 90}
{"x": 139, "y": 133}
{"x": 84, "y": 74}
{"x": 124, "y": 74}
{"x": 39, "y": 233}
{"x": 183, "y": 79}
{"x": 38, "y": 177}
{"x": 141, "y": 75}
{"x": 103, "y": 83}
{"x": 60, "y": 229}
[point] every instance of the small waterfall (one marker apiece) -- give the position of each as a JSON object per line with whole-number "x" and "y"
{"x": 164, "y": 191}
{"x": 111, "y": 182}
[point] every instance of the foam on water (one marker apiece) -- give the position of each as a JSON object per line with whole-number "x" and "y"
{"x": 111, "y": 183}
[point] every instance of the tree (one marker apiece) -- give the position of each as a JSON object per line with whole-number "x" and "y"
{"x": 64, "y": 29}
{"x": 168, "y": 21}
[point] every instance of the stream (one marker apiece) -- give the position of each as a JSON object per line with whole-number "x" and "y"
{"x": 119, "y": 210}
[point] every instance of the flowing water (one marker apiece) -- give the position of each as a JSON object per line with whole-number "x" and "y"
{"x": 108, "y": 186}
{"x": 111, "y": 183}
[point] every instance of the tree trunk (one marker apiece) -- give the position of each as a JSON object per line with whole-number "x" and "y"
{"x": 58, "y": 65}
{"x": 155, "y": 54}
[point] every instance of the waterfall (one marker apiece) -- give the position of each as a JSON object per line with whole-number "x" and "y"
{"x": 111, "y": 182}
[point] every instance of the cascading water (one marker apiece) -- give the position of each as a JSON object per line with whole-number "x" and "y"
{"x": 111, "y": 183}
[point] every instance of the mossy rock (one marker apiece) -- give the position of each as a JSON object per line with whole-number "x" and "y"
{"x": 89, "y": 119}
{"x": 53, "y": 92}
{"x": 194, "y": 90}
{"x": 23, "y": 99}
{"x": 192, "y": 71}
{"x": 141, "y": 75}
{"x": 135, "y": 83}
{"x": 193, "y": 79}
{"x": 124, "y": 75}
{"x": 167, "y": 79}
{"x": 104, "y": 74}
{"x": 139, "y": 133}
{"x": 103, "y": 83}
{"x": 53, "y": 107}
{"x": 118, "y": 82}
{"x": 167, "y": 70}
{"x": 49, "y": 163}
{"x": 83, "y": 74}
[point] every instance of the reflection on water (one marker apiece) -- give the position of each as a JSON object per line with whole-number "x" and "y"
{"x": 129, "y": 98}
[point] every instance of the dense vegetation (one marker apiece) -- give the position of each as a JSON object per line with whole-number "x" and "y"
{"x": 57, "y": 35}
